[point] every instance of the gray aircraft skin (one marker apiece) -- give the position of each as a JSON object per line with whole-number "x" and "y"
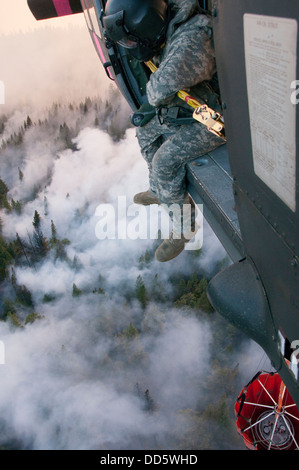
{"x": 248, "y": 186}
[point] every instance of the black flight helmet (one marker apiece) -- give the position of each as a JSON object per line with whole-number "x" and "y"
{"x": 138, "y": 25}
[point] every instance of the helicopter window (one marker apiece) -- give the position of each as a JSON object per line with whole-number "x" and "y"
{"x": 87, "y": 19}
{"x": 91, "y": 16}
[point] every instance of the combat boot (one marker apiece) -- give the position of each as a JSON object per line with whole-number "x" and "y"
{"x": 184, "y": 229}
{"x": 146, "y": 198}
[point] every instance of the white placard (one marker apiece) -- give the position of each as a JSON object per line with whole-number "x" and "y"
{"x": 271, "y": 58}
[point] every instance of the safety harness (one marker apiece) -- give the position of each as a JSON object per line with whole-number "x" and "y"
{"x": 178, "y": 115}
{"x": 202, "y": 113}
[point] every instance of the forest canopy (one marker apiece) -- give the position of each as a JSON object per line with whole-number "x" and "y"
{"x": 128, "y": 309}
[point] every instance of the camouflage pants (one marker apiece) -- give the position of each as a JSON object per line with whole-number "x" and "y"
{"x": 167, "y": 149}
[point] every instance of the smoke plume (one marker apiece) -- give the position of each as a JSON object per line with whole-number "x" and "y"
{"x": 101, "y": 356}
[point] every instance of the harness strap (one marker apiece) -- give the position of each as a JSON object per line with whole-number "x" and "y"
{"x": 175, "y": 115}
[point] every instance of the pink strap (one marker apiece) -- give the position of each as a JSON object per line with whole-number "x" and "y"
{"x": 62, "y": 7}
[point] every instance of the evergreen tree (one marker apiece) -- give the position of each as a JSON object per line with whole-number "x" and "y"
{"x": 19, "y": 138}
{"x": 23, "y": 296}
{"x": 5, "y": 258}
{"x": 20, "y": 249}
{"x": 218, "y": 413}
{"x": 193, "y": 294}
{"x": 28, "y": 122}
{"x": 76, "y": 291}
{"x": 53, "y": 239}
{"x": 36, "y": 221}
{"x": 149, "y": 402}
{"x": 58, "y": 245}
{"x": 157, "y": 290}
{"x": 8, "y": 307}
{"x": 141, "y": 292}
{"x": 13, "y": 279}
{"x": 4, "y": 204}
{"x": 2, "y": 127}
{"x": 16, "y": 206}
{"x": 145, "y": 259}
{"x": 65, "y": 135}
{"x": 146, "y": 399}
{"x": 40, "y": 245}
{"x": 32, "y": 317}
{"x": 131, "y": 331}
{"x": 13, "y": 319}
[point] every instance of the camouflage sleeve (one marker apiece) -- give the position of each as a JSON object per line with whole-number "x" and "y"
{"x": 188, "y": 60}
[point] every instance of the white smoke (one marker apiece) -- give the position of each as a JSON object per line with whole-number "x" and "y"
{"x": 59, "y": 387}
{"x": 70, "y": 380}
{"x": 48, "y": 65}
{"x": 58, "y": 392}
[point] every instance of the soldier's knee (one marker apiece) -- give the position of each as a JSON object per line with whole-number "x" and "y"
{"x": 163, "y": 162}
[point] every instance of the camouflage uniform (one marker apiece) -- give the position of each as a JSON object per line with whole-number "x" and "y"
{"x": 187, "y": 62}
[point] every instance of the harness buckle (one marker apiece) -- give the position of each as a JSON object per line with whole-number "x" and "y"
{"x": 210, "y": 118}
